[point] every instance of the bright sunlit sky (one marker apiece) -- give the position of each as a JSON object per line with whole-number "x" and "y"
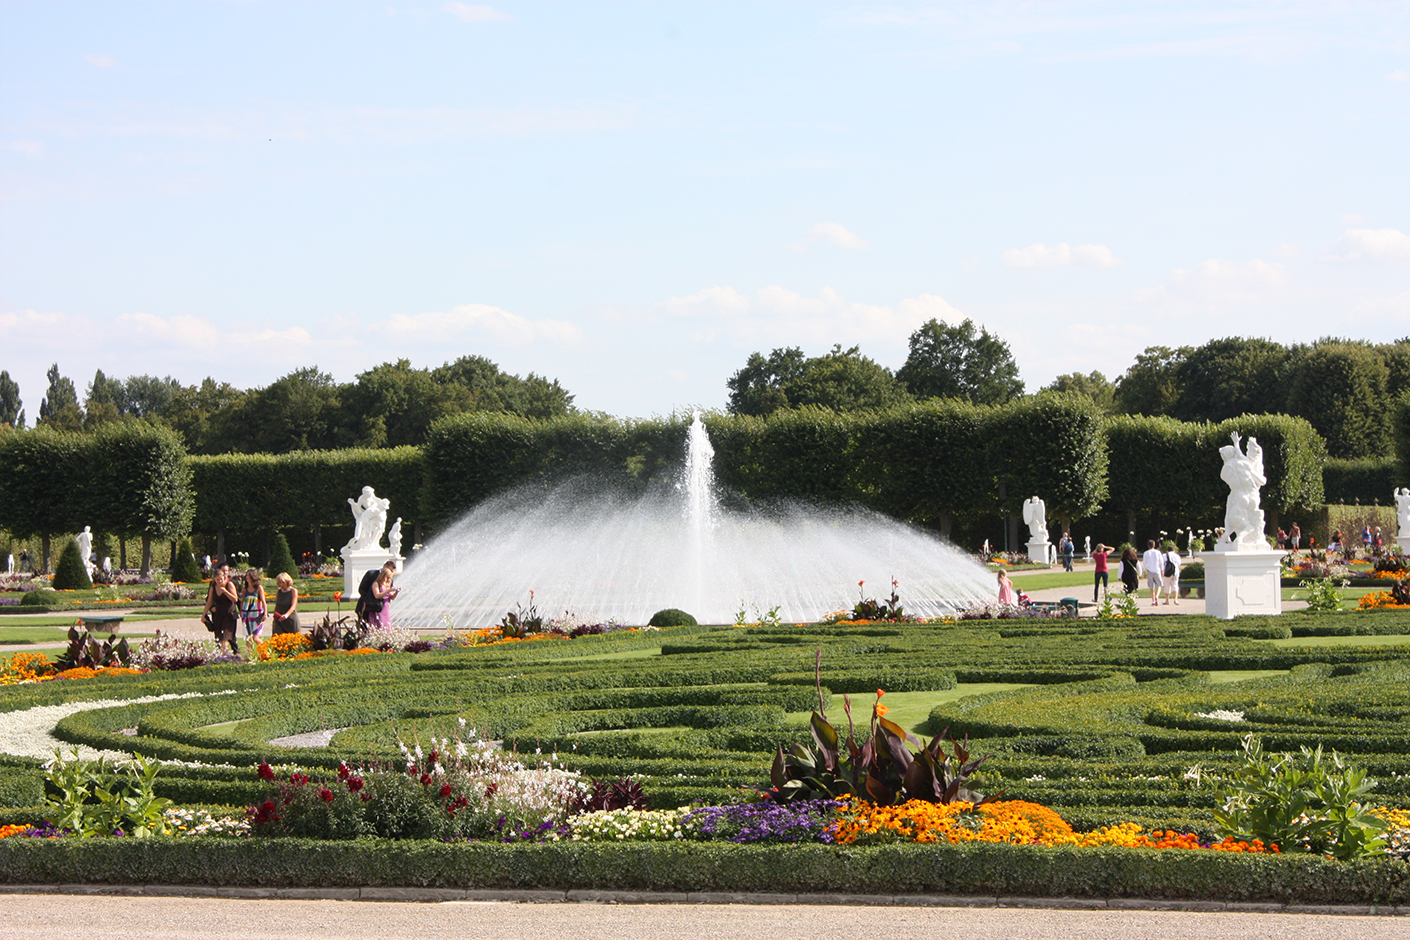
{"x": 631, "y": 198}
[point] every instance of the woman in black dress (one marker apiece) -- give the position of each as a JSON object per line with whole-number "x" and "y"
{"x": 1130, "y": 577}
{"x": 222, "y": 611}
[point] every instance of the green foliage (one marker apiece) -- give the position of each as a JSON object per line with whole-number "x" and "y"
{"x": 1094, "y": 386}
{"x": 1158, "y": 463}
{"x": 1323, "y": 594}
{"x": 11, "y": 408}
{"x": 1305, "y": 802}
{"x": 522, "y": 621}
{"x": 953, "y": 362}
{"x": 1231, "y": 376}
{"x": 99, "y": 798}
{"x": 1340, "y": 388}
{"x": 1361, "y": 480}
{"x": 184, "y": 568}
{"x": 1050, "y": 445}
{"x": 70, "y": 574}
{"x": 281, "y": 559}
{"x": 1151, "y": 386}
{"x": 671, "y": 617}
{"x": 59, "y": 407}
{"x": 841, "y": 380}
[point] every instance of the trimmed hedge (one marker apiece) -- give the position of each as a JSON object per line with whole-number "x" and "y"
{"x": 969, "y": 869}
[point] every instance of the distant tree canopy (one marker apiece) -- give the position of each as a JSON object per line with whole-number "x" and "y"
{"x": 1093, "y": 386}
{"x": 1344, "y": 388}
{"x": 953, "y": 362}
{"x": 843, "y": 380}
{"x": 387, "y": 406}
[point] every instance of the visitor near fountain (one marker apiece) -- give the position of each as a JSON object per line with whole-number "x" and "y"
{"x": 369, "y": 596}
{"x": 385, "y": 593}
{"x": 1007, "y": 597}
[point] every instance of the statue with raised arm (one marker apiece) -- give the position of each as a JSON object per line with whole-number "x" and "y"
{"x": 1035, "y": 516}
{"x": 369, "y": 520}
{"x": 394, "y": 538}
{"x": 1243, "y": 513}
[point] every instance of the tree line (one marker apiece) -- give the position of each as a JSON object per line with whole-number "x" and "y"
{"x": 390, "y": 405}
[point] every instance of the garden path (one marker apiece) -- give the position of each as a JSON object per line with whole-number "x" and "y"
{"x": 46, "y": 917}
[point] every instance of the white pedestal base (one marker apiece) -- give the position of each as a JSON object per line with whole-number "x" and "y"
{"x": 357, "y": 562}
{"x": 1038, "y": 553}
{"x": 1237, "y": 583}
{"x": 1404, "y": 542}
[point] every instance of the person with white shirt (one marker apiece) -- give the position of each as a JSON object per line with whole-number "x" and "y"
{"x": 1170, "y": 575}
{"x": 1154, "y": 563}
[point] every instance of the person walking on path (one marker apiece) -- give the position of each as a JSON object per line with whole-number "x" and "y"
{"x": 1130, "y": 570}
{"x": 1066, "y": 549}
{"x": 222, "y": 608}
{"x": 1170, "y": 574}
{"x": 1295, "y": 536}
{"x": 1154, "y": 563}
{"x": 1100, "y": 575}
{"x": 253, "y": 608}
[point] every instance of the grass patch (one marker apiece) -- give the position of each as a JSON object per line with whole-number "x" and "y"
{"x": 1225, "y": 676}
{"x": 910, "y": 710}
{"x": 1043, "y": 580}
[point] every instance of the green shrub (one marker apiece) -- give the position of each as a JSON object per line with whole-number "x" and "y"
{"x": 282, "y": 560}
{"x": 1192, "y": 571}
{"x": 70, "y": 574}
{"x": 43, "y": 597}
{"x": 671, "y": 617}
{"x": 183, "y": 567}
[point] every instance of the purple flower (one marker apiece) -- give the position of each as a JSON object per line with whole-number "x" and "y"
{"x": 766, "y": 821}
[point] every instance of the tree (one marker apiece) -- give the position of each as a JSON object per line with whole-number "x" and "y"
{"x": 183, "y": 564}
{"x": 1229, "y": 377}
{"x": 195, "y": 413}
{"x": 1340, "y": 388}
{"x": 11, "y": 408}
{"x": 1094, "y": 386}
{"x": 146, "y": 396}
{"x": 841, "y": 380}
{"x": 71, "y": 574}
{"x": 281, "y": 560}
{"x": 103, "y": 390}
{"x": 952, "y": 362}
{"x": 59, "y": 407}
{"x": 494, "y": 390}
{"x": 1152, "y": 385}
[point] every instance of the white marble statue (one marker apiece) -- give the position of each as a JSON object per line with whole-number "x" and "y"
{"x": 108, "y": 564}
{"x": 85, "y": 548}
{"x": 1087, "y": 543}
{"x": 1035, "y": 516}
{"x": 394, "y": 538}
{"x": 10, "y": 564}
{"x": 1402, "y": 512}
{"x": 1243, "y": 471}
{"x": 986, "y": 548}
{"x": 369, "y": 520}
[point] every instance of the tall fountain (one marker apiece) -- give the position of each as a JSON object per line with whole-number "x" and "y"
{"x": 604, "y": 553}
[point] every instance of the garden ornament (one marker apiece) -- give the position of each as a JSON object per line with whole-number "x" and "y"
{"x": 394, "y": 538}
{"x": 85, "y": 549}
{"x": 369, "y": 520}
{"x": 1035, "y": 516}
{"x": 1402, "y": 512}
{"x": 1243, "y": 471}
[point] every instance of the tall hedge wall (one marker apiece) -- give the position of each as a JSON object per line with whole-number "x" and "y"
{"x": 1363, "y": 481}
{"x": 258, "y": 492}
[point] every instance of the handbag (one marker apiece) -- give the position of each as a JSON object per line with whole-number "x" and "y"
{"x": 207, "y": 622}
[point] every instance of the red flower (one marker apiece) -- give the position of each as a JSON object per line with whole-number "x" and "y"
{"x": 425, "y": 780}
{"x": 266, "y": 772}
{"x": 354, "y": 784}
{"x": 298, "y": 779}
{"x": 445, "y": 790}
{"x": 343, "y": 771}
{"x": 325, "y": 794}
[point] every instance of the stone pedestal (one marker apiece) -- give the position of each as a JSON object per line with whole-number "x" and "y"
{"x": 1404, "y": 542}
{"x": 1038, "y": 553}
{"x": 1242, "y": 582}
{"x": 358, "y": 561}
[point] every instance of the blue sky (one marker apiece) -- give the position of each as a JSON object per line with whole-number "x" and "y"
{"x": 633, "y": 197}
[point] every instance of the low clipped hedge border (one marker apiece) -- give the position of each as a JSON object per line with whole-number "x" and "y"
{"x": 967, "y": 869}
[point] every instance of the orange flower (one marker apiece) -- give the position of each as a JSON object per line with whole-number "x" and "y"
{"x": 338, "y": 597}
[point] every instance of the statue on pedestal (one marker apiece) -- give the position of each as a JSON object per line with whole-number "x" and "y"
{"x": 1402, "y": 512}
{"x": 394, "y": 538}
{"x": 369, "y": 520}
{"x": 85, "y": 549}
{"x": 1243, "y": 471}
{"x": 1035, "y": 516}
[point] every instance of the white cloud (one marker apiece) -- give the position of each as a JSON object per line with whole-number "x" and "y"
{"x": 187, "y": 332}
{"x": 1371, "y": 244}
{"x": 101, "y": 61}
{"x": 1399, "y": 75}
{"x": 472, "y": 13}
{"x": 1285, "y": 250}
{"x": 837, "y": 235}
{"x": 1060, "y": 255}
{"x": 30, "y": 148}
{"x": 778, "y": 316}
{"x": 1216, "y": 284}
{"x": 476, "y": 319}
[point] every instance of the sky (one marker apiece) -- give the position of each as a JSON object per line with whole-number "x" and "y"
{"x": 633, "y": 197}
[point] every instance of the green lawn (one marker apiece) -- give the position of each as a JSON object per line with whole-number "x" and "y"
{"x": 910, "y": 710}
{"x": 1042, "y": 580}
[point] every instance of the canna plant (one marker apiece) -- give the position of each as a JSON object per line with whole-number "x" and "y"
{"x": 884, "y": 771}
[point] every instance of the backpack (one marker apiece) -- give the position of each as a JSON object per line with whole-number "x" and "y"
{"x": 1169, "y": 567}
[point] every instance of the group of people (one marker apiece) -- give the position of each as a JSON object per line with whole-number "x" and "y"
{"x": 232, "y": 603}
{"x": 1161, "y": 568}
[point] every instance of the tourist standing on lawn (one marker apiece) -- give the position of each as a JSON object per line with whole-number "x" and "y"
{"x": 1154, "y": 563}
{"x": 222, "y": 608}
{"x": 1007, "y": 597}
{"x": 286, "y": 604}
{"x": 1066, "y": 548}
{"x": 382, "y": 589}
{"x": 1130, "y": 571}
{"x": 1100, "y": 577}
{"x": 253, "y": 610}
{"x": 1170, "y": 574}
